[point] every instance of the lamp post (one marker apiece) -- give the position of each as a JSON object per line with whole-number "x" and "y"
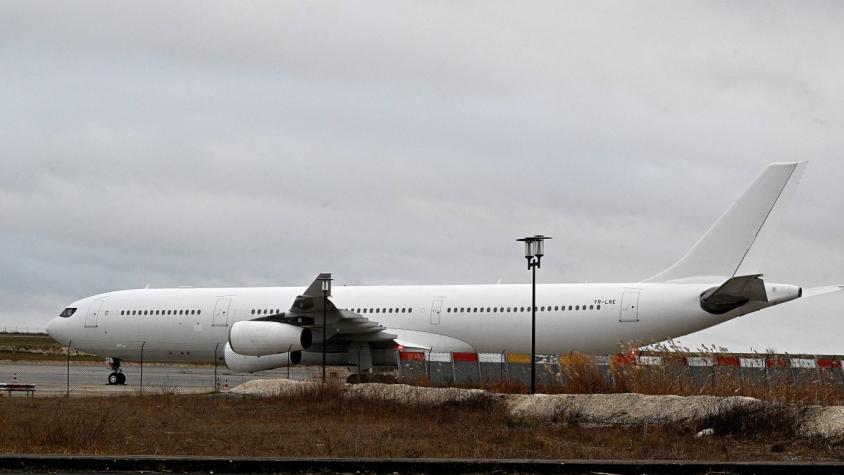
{"x": 534, "y": 250}
{"x": 326, "y": 292}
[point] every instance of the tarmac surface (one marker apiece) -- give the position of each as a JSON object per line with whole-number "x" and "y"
{"x": 85, "y": 378}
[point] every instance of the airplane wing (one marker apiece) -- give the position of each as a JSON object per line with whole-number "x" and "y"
{"x": 343, "y": 327}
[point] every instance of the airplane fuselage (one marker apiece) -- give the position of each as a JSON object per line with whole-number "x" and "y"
{"x": 193, "y": 324}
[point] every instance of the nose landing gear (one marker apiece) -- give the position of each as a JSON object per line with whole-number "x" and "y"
{"x": 116, "y": 376}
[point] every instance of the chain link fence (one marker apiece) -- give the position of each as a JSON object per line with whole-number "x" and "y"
{"x": 654, "y": 373}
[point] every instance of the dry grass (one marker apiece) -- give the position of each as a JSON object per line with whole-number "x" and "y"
{"x": 322, "y": 422}
{"x": 35, "y": 347}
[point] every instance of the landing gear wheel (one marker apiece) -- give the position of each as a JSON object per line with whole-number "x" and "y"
{"x": 116, "y": 377}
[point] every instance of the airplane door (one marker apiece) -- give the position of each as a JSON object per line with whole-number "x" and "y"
{"x": 93, "y": 314}
{"x": 436, "y": 308}
{"x": 629, "y": 307}
{"x": 221, "y": 312}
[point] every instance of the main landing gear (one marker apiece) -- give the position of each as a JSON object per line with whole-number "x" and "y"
{"x": 116, "y": 376}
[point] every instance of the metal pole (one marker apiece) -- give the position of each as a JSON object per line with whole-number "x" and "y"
{"x": 288, "y": 360}
{"x": 68, "y": 367}
{"x": 142, "y": 368}
{"x": 324, "y": 331}
{"x": 533, "y": 331}
{"x": 216, "y": 386}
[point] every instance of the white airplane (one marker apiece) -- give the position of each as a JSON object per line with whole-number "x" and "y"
{"x": 254, "y": 329}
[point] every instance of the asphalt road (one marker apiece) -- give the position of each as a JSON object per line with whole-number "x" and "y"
{"x": 51, "y": 378}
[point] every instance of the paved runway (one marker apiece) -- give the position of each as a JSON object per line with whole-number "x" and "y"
{"x": 51, "y": 378}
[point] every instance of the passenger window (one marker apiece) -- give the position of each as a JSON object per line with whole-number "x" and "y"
{"x": 377, "y": 310}
{"x": 121, "y": 312}
{"x": 555, "y": 308}
{"x": 591, "y": 307}
{"x": 199, "y": 312}
{"x": 253, "y": 311}
{"x": 569, "y": 307}
{"x": 598, "y": 307}
{"x": 577, "y": 307}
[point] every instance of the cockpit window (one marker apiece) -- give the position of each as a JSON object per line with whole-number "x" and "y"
{"x": 67, "y": 312}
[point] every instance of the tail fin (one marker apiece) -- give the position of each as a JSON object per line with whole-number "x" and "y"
{"x": 735, "y": 244}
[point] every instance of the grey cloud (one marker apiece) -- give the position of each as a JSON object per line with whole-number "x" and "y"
{"x": 260, "y": 143}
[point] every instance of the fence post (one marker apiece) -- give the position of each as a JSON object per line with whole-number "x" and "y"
{"x": 142, "y": 368}
{"x": 216, "y": 385}
{"x": 453, "y": 373}
{"x": 68, "y": 368}
{"x": 427, "y": 365}
{"x": 480, "y": 374}
{"x": 505, "y": 367}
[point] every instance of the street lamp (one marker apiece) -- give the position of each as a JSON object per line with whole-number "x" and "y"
{"x": 326, "y": 292}
{"x": 534, "y": 250}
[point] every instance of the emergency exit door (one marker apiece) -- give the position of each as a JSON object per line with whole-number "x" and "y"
{"x": 436, "y": 310}
{"x": 629, "y": 307}
{"x": 93, "y": 314}
{"x": 221, "y": 312}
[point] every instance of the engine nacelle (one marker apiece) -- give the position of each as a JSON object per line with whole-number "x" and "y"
{"x": 260, "y": 338}
{"x": 250, "y": 364}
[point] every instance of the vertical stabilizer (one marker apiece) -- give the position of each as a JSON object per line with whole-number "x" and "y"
{"x": 735, "y": 244}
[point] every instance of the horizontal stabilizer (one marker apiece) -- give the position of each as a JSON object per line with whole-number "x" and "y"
{"x": 734, "y": 293}
{"x": 815, "y": 291}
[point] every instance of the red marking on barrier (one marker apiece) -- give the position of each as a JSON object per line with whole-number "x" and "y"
{"x": 829, "y": 363}
{"x": 727, "y": 361}
{"x": 628, "y": 359}
{"x": 412, "y": 356}
{"x": 467, "y": 357}
{"x": 778, "y": 363}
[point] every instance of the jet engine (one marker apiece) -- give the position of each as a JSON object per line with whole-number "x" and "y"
{"x": 250, "y": 364}
{"x": 260, "y": 338}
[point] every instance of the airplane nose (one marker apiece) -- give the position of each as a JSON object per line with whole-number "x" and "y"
{"x": 54, "y": 330}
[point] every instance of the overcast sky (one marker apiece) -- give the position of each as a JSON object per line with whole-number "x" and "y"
{"x": 260, "y": 143}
